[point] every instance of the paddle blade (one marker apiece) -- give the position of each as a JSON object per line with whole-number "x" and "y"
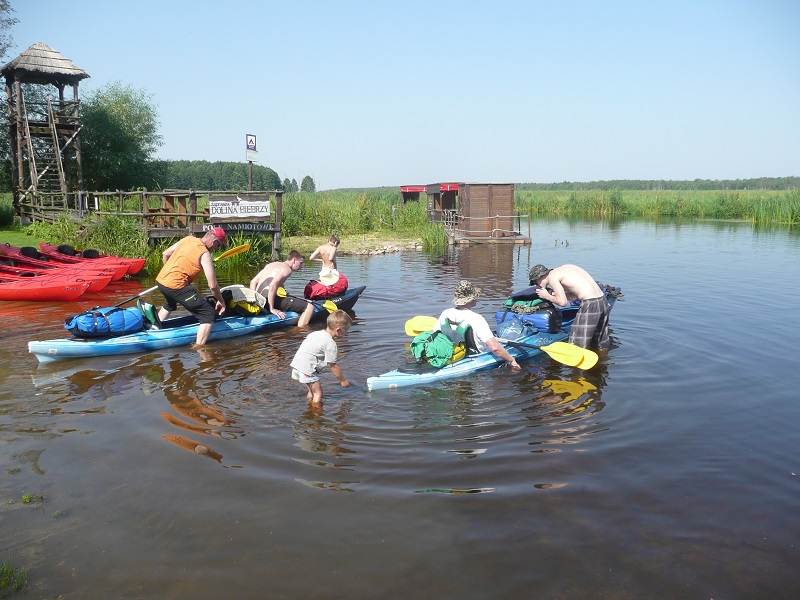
{"x": 571, "y": 355}
{"x": 329, "y": 306}
{"x": 280, "y": 292}
{"x": 416, "y": 325}
{"x": 233, "y": 251}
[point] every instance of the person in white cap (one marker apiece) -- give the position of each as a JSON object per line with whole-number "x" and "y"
{"x": 183, "y": 262}
{"x": 465, "y": 296}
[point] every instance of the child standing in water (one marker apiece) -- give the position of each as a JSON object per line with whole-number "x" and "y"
{"x": 318, "y": 349}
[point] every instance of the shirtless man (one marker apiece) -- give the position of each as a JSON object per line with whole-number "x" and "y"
{"x": 570, "y": 282}
{"x": 326, "y": 254}
{"x": 273, "y": 276}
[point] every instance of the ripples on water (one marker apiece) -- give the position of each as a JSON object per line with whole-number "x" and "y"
{"x": 669, "y": 468}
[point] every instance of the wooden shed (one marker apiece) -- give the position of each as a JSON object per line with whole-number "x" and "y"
{"x": 473, "y": 212}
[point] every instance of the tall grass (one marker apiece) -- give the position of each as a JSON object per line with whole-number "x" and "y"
{"x": 348, "y": 213}
{"x": 6, "y": 210}
{"x": 758, "y": 206}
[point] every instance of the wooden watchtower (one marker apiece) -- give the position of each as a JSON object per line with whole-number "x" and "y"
{"x": 45, "y": 142}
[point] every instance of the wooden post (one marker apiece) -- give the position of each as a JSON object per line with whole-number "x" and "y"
{"x": 276, "y": 238}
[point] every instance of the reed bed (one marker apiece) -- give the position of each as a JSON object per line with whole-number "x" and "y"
{"x": 349, "y": 213}
{"x": 761, "y": 207}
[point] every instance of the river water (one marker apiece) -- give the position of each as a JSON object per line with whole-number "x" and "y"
{"x": 670, "y": 470}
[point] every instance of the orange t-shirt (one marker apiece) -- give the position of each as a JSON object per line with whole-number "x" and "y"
{"x": 183, "y": 265}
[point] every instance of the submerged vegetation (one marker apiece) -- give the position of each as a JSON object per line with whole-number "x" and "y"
{"x": 12, "y": 579}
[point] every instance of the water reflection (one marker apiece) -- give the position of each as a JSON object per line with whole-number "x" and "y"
{"x": 196, "y": 408}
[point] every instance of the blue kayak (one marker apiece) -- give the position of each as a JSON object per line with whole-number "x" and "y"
{"x": 179, "y": 331}
{"x": 423, "y": 373}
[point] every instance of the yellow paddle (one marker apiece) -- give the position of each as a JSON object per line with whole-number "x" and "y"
{"x": 327, "y": 305}
{"x": 568, "y": 354}
{"x": 226, "y": 254}
{"x": 233, "y": 252}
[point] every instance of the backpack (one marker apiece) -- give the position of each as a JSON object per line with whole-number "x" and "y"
{"x": 543, "y": 315}
{"x": 105, "y": 322}
{"x": 315, "y": 290}
{"x": 436, "y": 348}
{"x": 243, "y": 301}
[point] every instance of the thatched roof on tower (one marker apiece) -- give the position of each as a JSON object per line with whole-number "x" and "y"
{"x": 41, "y": 64}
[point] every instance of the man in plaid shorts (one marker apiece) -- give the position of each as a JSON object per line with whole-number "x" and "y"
{"x": 570, "y": 282}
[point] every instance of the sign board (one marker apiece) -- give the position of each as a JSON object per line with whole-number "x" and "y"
{"x": 251, "y": 141}
{"x": 252, "y": 156}
{"x": 238, "y": 208}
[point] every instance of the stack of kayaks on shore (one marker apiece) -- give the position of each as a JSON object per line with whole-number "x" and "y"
{"x": 526, "y": 346}
{"x": 180, "y": 331}
{"x": 48, "y": 275}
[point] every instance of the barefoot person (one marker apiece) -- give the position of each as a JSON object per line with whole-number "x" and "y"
{"x": 273, "y": 276}
{"x": 570, "y": 282}
{"x": 326, "y": 253}
{"x": 183, "y": 262}
{"x": 317, "y": 350}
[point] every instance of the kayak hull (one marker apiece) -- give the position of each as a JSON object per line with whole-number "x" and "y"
{"x": 180, "y": 331}
{"x": 422, "y": 374}
{"x": 32, "y": 289}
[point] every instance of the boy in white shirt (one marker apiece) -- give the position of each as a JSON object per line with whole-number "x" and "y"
{"x": 318, "y": 349}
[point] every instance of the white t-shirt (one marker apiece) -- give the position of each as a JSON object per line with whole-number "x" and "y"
{"x": 480, "y": 328}
{"x": 317, "y": 350}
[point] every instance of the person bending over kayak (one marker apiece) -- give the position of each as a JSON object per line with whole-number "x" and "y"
{"x": 570, "y": 282}
{"x": 273, "y": 276}
{"x": 465, "y": 296}
{"x": 183, "y": 262}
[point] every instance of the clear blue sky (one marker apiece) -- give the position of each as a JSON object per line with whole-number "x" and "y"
{"x": 363, "y": 94}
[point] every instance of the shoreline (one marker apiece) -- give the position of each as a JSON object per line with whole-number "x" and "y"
{"x": 368, "y": 244}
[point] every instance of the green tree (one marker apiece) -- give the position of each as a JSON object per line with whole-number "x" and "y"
{"x": 308, "y": 185}
{"x": 6, "y": 23}
{"x": 119, "y": 140}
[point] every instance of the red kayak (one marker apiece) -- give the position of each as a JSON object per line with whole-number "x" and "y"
{"x": 97, "y": 281}
{"x": 120, "y": 269}
{"x": 36, "y": 289}
{"x": 134, "y": 264}
{"x": 30, "y": 257}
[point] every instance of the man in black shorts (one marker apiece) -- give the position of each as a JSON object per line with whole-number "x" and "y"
{"x": 273, "y": 276}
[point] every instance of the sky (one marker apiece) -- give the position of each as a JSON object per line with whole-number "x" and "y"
{"x": 385, "y": 93}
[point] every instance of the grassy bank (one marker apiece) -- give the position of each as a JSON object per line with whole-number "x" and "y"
{"x": 368, "y": 221}
{"x": 365, "y": 222}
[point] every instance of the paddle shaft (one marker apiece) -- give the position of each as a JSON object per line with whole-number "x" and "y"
{"x": 282, "y": 293}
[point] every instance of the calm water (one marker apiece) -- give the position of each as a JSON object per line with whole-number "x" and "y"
{"x": 668, "y": 471}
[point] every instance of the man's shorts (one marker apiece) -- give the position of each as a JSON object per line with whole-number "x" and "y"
{"x": 303, "y": 378}
{"x": 191, "y": 300}
{"x": 292, "y": 304}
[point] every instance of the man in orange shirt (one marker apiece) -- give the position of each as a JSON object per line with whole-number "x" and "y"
{"x": 183, "y": 262}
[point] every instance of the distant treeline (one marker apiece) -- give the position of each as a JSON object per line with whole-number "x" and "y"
{"x": 219, "y": 175}
{"x": 760, "y": 183}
